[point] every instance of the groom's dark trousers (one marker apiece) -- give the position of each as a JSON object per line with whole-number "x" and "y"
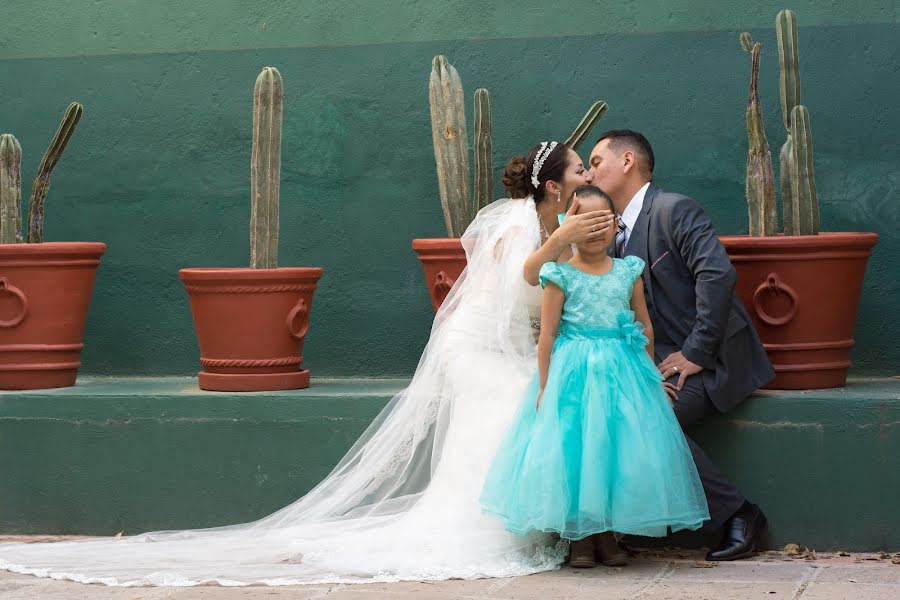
{"x": 692, "y": 405}
{"x": 689, "y": 287}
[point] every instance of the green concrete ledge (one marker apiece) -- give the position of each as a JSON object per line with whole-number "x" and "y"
{"x": 137, "y": 454}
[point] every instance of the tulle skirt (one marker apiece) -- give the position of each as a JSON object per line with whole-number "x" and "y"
{"x": 603, "y": 452}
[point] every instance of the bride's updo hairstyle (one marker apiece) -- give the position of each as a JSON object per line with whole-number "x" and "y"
{"x": 518, "y": 176}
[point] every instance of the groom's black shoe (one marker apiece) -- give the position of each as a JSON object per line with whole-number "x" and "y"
{"x": 743, "y": 532}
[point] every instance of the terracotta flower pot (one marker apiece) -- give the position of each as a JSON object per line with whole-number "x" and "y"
{"x": 803, "y": 293}
{"x": 251, "y": 324}
{"x": 45, "y": 292}
{"x": 443, "y": 260}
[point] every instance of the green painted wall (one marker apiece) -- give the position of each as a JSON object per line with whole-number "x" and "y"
{"x": 145, "y": 454}
{"x": 42, "y": 28}
{"x": 159, "y": 167}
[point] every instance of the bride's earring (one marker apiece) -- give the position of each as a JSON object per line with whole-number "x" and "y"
{"x": 559, "y": 197}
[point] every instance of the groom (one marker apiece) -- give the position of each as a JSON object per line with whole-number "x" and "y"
{"x": 705, "y": 343}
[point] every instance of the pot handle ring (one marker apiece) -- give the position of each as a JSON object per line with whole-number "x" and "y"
{"x": 7, "y": 287}
{"x": 443, "y": 283}
{"x": 301, "y": 310}
{"x": 774, "y": 285}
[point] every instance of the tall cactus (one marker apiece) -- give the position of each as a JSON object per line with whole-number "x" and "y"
{"x": 484, "y": 165}
{"x": 265, "y": 168}
{"x": 760, "y": 190}
{"x": 805, "y": 217}
{"x": 451, "y": 151}
{"x": 42, "y": 181}
{"x": 798, "y": 185}
{"x": 10, "y": 189}
{"x": 596, "y": 112}
{"x": 789, "y": 86}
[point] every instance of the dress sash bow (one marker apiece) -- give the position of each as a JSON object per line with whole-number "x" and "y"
{"x": 629, "y": 330}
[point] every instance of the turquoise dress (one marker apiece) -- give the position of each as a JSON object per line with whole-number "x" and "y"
{"x": 604, "y": 452}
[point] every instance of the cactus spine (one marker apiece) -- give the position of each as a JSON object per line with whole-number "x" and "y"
{"x": 805, "y": 217}
{"x": 760, "y": 187}
{"x": 42, "y": 181}
{"x": 592, "y": 117}
{"x": 10, "y": 189}
{"x": 265, "y": 169}
{"x": 451, "y": 152}
{"x": 484, "y": 168}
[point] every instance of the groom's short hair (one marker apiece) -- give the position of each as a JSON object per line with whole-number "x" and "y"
{"x": 625, "y": 139}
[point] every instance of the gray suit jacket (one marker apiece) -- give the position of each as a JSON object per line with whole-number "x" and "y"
{"x": 689, "y": 287}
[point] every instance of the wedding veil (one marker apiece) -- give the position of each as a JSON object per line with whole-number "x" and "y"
{"x": 369, "y": 519}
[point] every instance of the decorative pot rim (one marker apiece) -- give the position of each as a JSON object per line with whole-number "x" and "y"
{"x": 248, "y": 275}
{"x": 825, "y": 239}
{"x": 439, "y": 248}
{"x": 44, "y": 248}
{"x": 436, "y": 243}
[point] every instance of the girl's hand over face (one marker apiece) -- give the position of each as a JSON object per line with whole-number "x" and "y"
{"x": 585, "y": 227}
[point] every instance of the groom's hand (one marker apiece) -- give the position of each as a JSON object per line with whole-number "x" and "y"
{"x": 671, "y": 392}
{"x": 585, "y": 227}
{"x": 677, "y": 364}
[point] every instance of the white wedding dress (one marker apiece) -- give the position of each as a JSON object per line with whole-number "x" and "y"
{"x": 403, "y": 504}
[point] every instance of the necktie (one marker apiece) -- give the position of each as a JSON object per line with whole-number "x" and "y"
{"x": 620, "y": 239}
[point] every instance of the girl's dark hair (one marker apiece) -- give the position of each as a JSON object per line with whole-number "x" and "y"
{"x": 587, "y": 190}
{"x": 517, "y": 176}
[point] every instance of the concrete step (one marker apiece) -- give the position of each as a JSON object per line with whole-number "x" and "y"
{"x": 138, "y": 454}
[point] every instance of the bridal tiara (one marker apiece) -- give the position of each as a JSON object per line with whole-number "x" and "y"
{"x": 539, "y": 160}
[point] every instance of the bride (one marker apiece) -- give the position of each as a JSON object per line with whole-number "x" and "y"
{"x": 403, "y": 502}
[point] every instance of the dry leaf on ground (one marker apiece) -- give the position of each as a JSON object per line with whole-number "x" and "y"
{"x": 792, "y": 550}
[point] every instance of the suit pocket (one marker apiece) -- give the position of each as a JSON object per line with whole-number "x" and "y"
{"x": 666, "y": 255}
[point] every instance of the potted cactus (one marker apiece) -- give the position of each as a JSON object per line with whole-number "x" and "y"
{"x": 251, "y": 322}
{"x": 45, "y": 287}
{"x": 802, "y": 288}
{"x": 443, "y": 259}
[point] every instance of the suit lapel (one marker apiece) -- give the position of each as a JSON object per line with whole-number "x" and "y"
{"x": 639, "y": 240}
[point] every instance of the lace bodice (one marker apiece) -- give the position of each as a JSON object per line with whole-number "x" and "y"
{"x": 594, "y": 301}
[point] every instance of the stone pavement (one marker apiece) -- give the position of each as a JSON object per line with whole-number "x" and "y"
{"x": 652, "y": 575}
